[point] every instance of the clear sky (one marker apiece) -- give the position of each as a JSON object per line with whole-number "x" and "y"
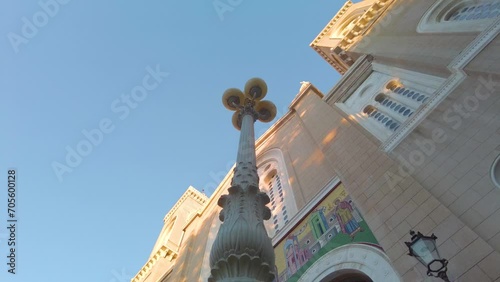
{"x": 67, "y": 71}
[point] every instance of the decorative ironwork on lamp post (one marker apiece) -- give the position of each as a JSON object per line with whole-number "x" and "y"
{"x": 425, "y": 250}
{"x": 242, "y": 250}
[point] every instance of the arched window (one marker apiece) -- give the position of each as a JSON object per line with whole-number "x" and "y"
{"x": 274, "y": 181}
{"x": 382, "y": 118}
{"x": 473, "y": 11}
{"x": 407, "y": 92}
{"x": 393, "y": 105}
{"x": 459, "y": 16}
{"x": 389, "y": 100}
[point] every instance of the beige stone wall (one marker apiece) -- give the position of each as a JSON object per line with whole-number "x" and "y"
{"x": 190, "y": 262}
{"x": 392, "y": 210}
{"x": 394, "y": 40}
{"x": 306, "y": 165}
{"x": 455, "y": 171}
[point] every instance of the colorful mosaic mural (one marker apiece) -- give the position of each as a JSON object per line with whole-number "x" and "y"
{"x": 334, "y": 222}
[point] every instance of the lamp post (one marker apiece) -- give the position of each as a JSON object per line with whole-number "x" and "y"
{"x": 425, "y": 250}
{"x": 242, "y": 250}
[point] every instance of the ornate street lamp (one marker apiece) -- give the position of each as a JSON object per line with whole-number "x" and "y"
{"x": 425, "y": 250}
{"x": 242, "y": 250}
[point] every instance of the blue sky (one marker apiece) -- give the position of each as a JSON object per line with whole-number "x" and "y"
{"x": 99, "y": 219}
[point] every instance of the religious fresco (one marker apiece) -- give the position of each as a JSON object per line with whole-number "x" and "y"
{"x": 334, "y": 222}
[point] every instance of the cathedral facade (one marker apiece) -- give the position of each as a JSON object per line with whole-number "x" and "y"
{"x": 408, "y": 139}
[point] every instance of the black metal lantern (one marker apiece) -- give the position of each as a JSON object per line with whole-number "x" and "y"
{"x": 425, "y": 250}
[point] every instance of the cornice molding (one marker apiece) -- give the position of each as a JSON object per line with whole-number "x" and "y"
{"x": 163, "y": 252}
{"x": 332, "y": 22}
{"x": 362, "y": 25}
{"x": 192, "y": 193}
{"x": 326, "y": 31}
{"x": 327, "y": 58}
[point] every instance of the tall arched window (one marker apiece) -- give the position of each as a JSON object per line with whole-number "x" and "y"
{"x": 459, "y": 16}
{"x": 274, "y": 181}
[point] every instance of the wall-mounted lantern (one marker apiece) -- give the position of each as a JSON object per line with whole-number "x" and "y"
{"x": 425, "y": 250}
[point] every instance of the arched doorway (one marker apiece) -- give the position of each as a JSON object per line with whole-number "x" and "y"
{"x": 347, "y": 275}
{"x": 352, "y": 263}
